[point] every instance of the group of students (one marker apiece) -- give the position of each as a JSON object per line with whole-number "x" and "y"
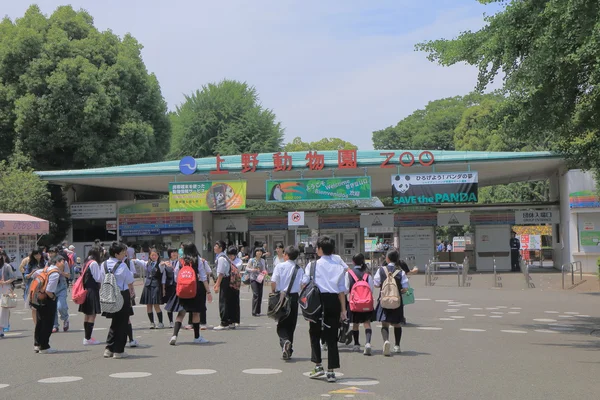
{"x": 329, "y": 273}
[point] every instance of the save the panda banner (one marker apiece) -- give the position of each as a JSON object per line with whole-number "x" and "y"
{"x": 435, "y": 188}
{"x": 205, "y": 196}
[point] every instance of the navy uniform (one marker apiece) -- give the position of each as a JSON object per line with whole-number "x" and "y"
{"x": 515, "y": 246}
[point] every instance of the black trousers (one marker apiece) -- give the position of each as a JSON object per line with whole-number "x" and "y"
{"x": 44, "y": 324}
{"x": 287, "y": 326}
{"x": 327, "y": 330}
{"x": 257, "y": 295}
{"x": 117, "y": 333}
{"x": 514, "y": 261}
{"x": 234, "y": 305}
{"x": 224, "y": 304}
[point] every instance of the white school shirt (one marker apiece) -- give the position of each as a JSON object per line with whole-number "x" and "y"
{"x": 339, "y": 260}
{"x": 52, "y": 278}
{"x": 329, "y": 275}
{"x": 369, "y": 280}
{"x": 277, "y": 260}
{"x": 130, "y": 253}
{"x": 94, "y": 268}
{"x": 282, "y": 274}
{"x": 122, "y": 273}
{"x": 223, "y": 266}
{"x": 144, "y": 264}
{"x": 391, "y": 267}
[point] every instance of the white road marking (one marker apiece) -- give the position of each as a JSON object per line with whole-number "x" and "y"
{"x": 565, "y": 316}
{"x": 479, "y": 315}
{"x": 512, "y": 331}
{"x": 495, "y": 316}
{"x": 544, "y": 320}
{"x": 584, "y": 316}
{"x": 4, "y": 385}
{"x": 429, "y": 328}
{"x": 262, "y": 371}
{"x": 491, "y": 308}
{"x": 130, "y": 375}
{"x": 337, "y": 374}
{"x": 444, "y": 301}
{"x": 475, "y": 308}
{"x": 9, "y": 334}
{"x": 447, "y": 319}
{"x": 61, "y": 379}
{"x": 451, "y": 310}
{"x": 552, "y": 312}
{"x": 501, "y": 307}
{"x": 545, "y": 331}
{"x": 571, "y": 312}
{"x": 497, "y": 312}
{"x": 514, "y": 312}
{"x": 457, "y": 317}
{"x": 423, "y": 299}
{"x": 472, "y": 330}
{"x": 358, "y": 382}
{"x": 196, "y": 372}
{"x": 515, "y": 308}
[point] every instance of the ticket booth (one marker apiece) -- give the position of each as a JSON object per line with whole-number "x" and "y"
{"x": 345, "y": 230}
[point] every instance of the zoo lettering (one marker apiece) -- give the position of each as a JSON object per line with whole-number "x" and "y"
{"x": 438, "y": 198}
{"x": 407, "y": 159}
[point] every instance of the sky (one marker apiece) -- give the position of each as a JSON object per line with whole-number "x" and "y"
{"x": 335, "y": 68}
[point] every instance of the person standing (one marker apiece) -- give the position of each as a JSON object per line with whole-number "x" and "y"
{"x": 329, "y": 278}
{"x": 46, "y": 312}
{"x": 391, "y": 316}
{"x": 515, "y": 255}
{"x": 62, "y": 307}
{"x": 223, "y": 269}
{"x": 92, "y": 278}
{"x": 170, "y": 286}
{"x": 152, "y": 294}
{"x": 282, "y": 276}
{"x": 279, "y": 251}
{"x": 6, "y": 279}
{"x": 257, "y": 270}
{"x": 117, "y": 334}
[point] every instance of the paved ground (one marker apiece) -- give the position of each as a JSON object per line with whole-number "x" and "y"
{"x": 475, "y": 342}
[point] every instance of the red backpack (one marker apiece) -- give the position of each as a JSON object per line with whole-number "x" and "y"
{"x": 186, "y": 281}
{"x": 79, "y": 293}
{"x": 71, "y": 259}
{"x": 361, "y": 297}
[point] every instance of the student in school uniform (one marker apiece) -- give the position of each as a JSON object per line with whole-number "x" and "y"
{"x": 195, "y": 305}
{"x": 257, "y": 269}
{"x": 228, "y": 309}
{"x": 62, "y": 306}
{"x": 356, "y": 318}
{"x": 393, "y": 317}
{"x": 278, "y": 258}
{"x": 329, "y": 278}
{"x": 282, "y": 275}
{"x": 92, "y": 278}
{"x": 234, "y": 294}
{"x": 45, "y": 314}
{"x": 131, "y": 342}
{"x": 170, "y": 286}
{"x": 117, "y": 334}
{"x": 152, "y": 294}
{"x": 7, "y": 277}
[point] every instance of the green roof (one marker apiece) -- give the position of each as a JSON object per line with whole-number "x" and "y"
{"x": 366, "y": 158}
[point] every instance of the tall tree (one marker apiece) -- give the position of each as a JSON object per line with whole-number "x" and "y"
{"x": 324, "y": 144}
{"x": 548, "y": 53}
{"x": 76, "y": 97}
{"x": 224, "y": 118}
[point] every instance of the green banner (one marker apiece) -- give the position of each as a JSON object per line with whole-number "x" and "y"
{"x": 323, "y": 189}
{"x": 589, "y": 238}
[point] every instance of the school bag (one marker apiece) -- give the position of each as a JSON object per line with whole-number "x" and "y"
{"x": 71, "y": 259}
{"x": 361, "y": 297}
{"x": 111, "y": 299}
{"x": 310, "y": 298}
{"x": 186, "y": 281}
{"x": 37, "y": 289}
{"x": 79, "y": 293}
{"x": 235, "y": 277}
{"x": 390, "y": 294}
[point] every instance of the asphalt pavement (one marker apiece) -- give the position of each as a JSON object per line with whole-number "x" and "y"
{"x": 476, "y": 342}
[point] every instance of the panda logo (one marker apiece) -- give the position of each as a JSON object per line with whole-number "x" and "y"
{"x": 401, "y": 183}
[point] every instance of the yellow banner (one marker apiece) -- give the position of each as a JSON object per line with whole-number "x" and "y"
{"x": 205, "y": 196}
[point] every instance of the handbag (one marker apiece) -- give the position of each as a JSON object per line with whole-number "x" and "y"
{"x": 261, "y": 277}
{"x": 8, "y": 300}
{"x": 409, "y": 296}
{"x": 280, "y": 306}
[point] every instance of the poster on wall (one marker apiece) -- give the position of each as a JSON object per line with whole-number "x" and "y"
{"x": 432, "y": 188}
{"x": 321, "y": 189}
{"x": 589, "y": 238}
{"x": 153, "y": 218}
{"x": 530, "y": 242}
{"x": 207, "y": 196}
{"x": 417, "y": 245}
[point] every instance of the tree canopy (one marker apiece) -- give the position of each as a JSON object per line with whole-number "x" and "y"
{"x": 75, "y": 97}
{"x": 324, "y": 144}
{"x": 548, "y": 54}
{"x": 224, "y": 118}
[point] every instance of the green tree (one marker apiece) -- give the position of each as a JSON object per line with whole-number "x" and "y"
{"x": 324, "y": 144}
{"x": 548, "y": 53}
{"x": 224, "y": 118}
{"x": 76, "y": 97}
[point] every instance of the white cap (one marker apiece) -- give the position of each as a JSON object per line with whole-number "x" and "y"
{"x": 71, "y": 247}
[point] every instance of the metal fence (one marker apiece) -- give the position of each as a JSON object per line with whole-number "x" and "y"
{"x": 573, "y": 267}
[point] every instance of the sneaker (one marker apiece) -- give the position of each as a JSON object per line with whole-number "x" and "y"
{"x": 133, "y": 343}
{"x": 396, "y": 350}
{"x": 200, "y": 340}
{"x": 386, "y": 348}
{"x": 6, "y": 328}
{"x": 108, "y": 353}
{"x": 161, "y": 326}
{"x": 356, "y": 348}
{"x": 367, "y": 351}
{"x": 220, "y": 328}
{"x": 36, "y": 349}
{"x": 170, "y": 324}
{"x": 1, "y": 335}
{"x": 331, "y": 377}
{"x": 49, "y": 351}
{"x": 152, "y": 326}
{"x": 188, "y": 327}
{"x": 66, "y": 326}
{"x": 203, "y": 327}
{"x": 90, "y": 342}
{"x": 232, "y": 326}
{"x": 317, "y": 372}
{"x": 173, "y": 340}
{"x": 120, "y": 355}
{"x": 55, "y": 329}
{"x": 287, "y": 347}
{"x": 323, "y": 346}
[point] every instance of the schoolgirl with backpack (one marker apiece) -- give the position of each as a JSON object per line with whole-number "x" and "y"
{"x": 191, "y": 292}
{"x": 228, "y": 286}
{"x": 170, "y": 285}
{"x": 86, "y": 293}
{"x": 359, "y": 285}
{"x": 390, "y": 310}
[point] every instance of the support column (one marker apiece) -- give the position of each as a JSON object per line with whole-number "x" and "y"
{"x": 204, "y": 234}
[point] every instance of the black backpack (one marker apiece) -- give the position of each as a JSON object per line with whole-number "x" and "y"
{"x": 310, "y": 298}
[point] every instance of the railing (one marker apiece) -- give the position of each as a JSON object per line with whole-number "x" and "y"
{"x": 434, "y": 267}
{"x": 573, "y": 267}
{"x": 495, "y": 274}
{"x": 465, "y": 272}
